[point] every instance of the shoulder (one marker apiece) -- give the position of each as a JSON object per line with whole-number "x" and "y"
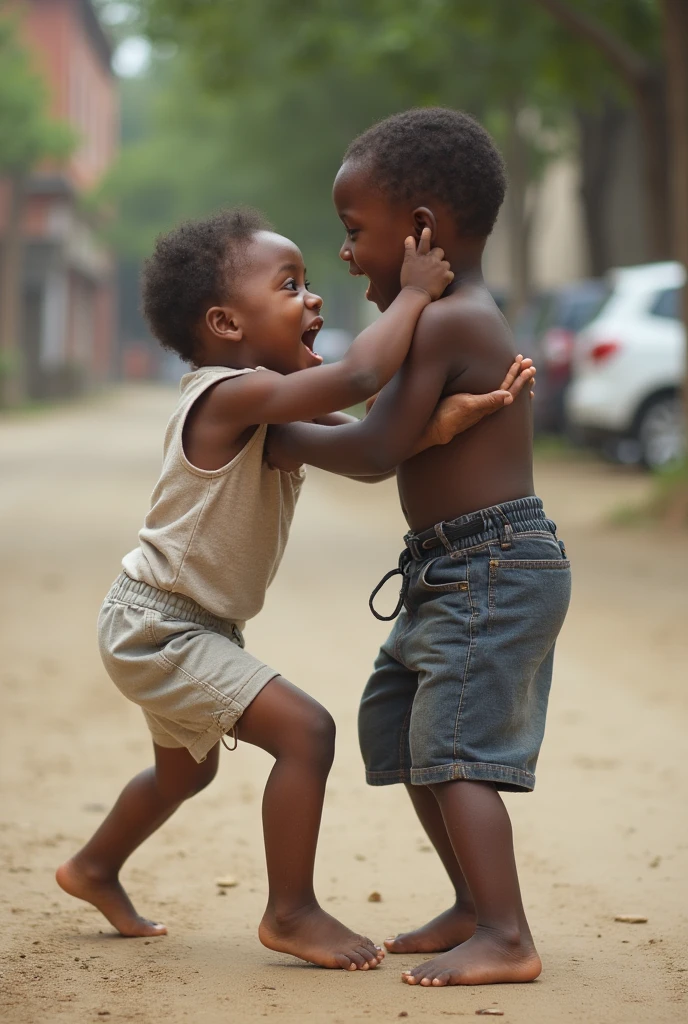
{"x": 468, "y": 314}
{"x": 232, "y": 396}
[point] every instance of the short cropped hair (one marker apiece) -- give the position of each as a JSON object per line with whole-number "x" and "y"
{"x": 192, "y": 267}
{"x": 435, "y": 152}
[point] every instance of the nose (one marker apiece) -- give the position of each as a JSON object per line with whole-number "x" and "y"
{"x": 314, "y": 301}
{"x": 345, "y": 253}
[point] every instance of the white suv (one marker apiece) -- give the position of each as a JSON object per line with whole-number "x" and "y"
{"x": 628, "y": 368}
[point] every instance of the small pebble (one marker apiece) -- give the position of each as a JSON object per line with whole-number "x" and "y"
{"x": 631, "y": 918}
{"x": 227, "y": 882}
{"x": 490, "y": 1011}
{"x": 403, "y": 1013}
{"x": 375, "y": 897}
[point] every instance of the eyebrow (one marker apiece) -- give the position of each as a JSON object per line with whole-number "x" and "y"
{"x": 289, "y": 266}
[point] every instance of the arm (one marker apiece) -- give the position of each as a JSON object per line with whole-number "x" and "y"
{"x": 392, "y": 429}
{"x": 374, "y": 357}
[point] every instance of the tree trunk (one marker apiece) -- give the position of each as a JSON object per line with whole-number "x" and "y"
{"x": 11, "y": 298}
{"x": 645, "y": 85}
{"x": 650, "y": 103}
{"x": 598, "y": 133}
{"x": 676, "y": 50}
{"x": 518, "y": 220}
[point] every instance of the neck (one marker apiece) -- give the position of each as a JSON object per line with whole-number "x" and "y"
{"x": 465, "y": 259}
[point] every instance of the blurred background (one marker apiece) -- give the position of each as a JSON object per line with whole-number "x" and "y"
{"x": 117, "y": 119}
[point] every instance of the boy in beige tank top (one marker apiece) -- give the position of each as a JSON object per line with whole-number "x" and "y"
{"x": 230, "y": 297}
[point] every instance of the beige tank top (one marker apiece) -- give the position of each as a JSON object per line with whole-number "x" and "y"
{"x": 216, "y": 536}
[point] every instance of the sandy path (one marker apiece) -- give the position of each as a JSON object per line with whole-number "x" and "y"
{"x": 605, "y": 832}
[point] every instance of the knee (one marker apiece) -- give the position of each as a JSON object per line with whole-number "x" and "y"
{"x": 203, "y": 777}
{"x": 183, "y": 786}
{"x": 317, "y": 737}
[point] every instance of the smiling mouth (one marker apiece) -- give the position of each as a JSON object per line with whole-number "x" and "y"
{"x": 309, "y": 335}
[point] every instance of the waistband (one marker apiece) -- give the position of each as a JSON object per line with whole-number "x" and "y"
{"x": 496, "y": 523}
{"x": 125, "y": 590}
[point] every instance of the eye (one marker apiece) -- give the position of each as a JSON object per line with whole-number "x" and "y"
{"x": 307, "y": 285}
{"x": 351, "y": 233}
{"x": 291, "y": 285}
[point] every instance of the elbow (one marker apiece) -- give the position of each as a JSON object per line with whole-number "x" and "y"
{"x": 364, "y": 383}
{"x": 378, "y": 460}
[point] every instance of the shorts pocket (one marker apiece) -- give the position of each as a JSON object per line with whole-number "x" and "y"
{"x": 444, "y": 575}
{"x": 529, "y": 595}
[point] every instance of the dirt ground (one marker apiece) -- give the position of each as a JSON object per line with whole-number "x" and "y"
{"x": 604, "y": 834}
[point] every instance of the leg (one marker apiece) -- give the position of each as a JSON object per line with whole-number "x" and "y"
{"x": 143, "y": 806}
{"x": 299, "y": 734}
{"x": 502, "y": 949}
{"x": 456, "y": 924}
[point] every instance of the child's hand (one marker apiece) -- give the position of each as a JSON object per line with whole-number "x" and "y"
{"x": 457, "y": 413}
{"x": 425, "y": 268}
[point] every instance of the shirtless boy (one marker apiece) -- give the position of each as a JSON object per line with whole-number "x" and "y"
{"x": 455, "y": 708}
{"x": 231, "y": 297}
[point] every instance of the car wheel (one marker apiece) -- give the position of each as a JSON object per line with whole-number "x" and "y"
{"x": 661, "y": 432}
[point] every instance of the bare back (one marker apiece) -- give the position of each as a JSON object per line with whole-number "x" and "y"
{"x": 491, "y": 462}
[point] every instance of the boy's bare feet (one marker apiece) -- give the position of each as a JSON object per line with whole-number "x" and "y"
{"x": 444, "y": 932}
{"x": 487, "y": 958}
{"x": 319, "y": 938}
{"x": 108, "y": 896}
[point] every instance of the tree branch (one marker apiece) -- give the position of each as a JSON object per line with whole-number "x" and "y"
{"x": 628, "y": 62}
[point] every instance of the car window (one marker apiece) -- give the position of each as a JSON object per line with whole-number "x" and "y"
{"x": 580, "y": 309}
{"x": 667, "y": 304}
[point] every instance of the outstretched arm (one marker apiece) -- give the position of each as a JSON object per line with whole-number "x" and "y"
{"x": 399, "y": 425}
{"x": 373, "y": 358}
{"x": 390, "y": 431}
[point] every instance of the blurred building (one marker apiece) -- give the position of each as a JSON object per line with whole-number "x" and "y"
{"x": 69, "y": 276}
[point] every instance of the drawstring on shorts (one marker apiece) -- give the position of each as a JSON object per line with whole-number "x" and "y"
{"x": 404, "y": 560}
{"x": 232, "y": 732}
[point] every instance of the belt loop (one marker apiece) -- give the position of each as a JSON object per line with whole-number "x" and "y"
{"x": 442, "y": 537}
{"x": 506, "y": 531}
{"x": 413, "y": 547}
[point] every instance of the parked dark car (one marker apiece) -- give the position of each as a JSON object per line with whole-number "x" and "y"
{"x": 546, "y": 332}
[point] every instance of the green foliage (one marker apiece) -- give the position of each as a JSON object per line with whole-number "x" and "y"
{"x": 260, "y": 99}
{"x": 27, "y": 134}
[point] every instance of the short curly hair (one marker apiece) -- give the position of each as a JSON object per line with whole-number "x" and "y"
{"x": 440, "y": 153}
{"x": 192, "y": 267}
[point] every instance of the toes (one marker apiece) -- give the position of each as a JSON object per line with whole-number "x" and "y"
{"x": 344, "y": 962}
{"x": 442, "y": 979}
{"x": 357, "y": 960}
{"x": 368, "y": 956}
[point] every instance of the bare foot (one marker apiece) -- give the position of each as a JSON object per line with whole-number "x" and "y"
{"x": 488, "y": 958}
{"x": 444, "y": 932}
{"x": 108, "y": 896}
{"x": 315, "y": 936}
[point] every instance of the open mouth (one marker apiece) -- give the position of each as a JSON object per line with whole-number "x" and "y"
{"x": 308, "y": 339}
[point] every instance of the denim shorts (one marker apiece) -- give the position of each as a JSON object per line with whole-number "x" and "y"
{"x": 185, "y": 668}
{"x": 460, "y": 688}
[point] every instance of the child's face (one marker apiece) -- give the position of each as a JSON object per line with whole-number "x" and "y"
{"x": 279, "y": 316}
{"x": 375, "y": 232}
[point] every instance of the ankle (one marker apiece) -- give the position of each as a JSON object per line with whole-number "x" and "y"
{"x": 93, "y": 871}
{"x": 510, "y": 935}
{"x": 464, "y": 906}
{"x": 286, "y": 918}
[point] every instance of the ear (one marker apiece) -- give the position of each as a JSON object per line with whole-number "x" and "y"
{"x": 222, "y": 322}
{"x": 424, "y": 218}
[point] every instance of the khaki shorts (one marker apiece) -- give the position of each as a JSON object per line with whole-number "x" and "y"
{"x": 184, "y": 667}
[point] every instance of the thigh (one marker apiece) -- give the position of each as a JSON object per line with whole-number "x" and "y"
{"x": 383, "y": 720}
{"x": 178, "y": 775}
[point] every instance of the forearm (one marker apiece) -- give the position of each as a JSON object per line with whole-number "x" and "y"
{"x": 378, "y": 352}
{"x": 345, "y": 450}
